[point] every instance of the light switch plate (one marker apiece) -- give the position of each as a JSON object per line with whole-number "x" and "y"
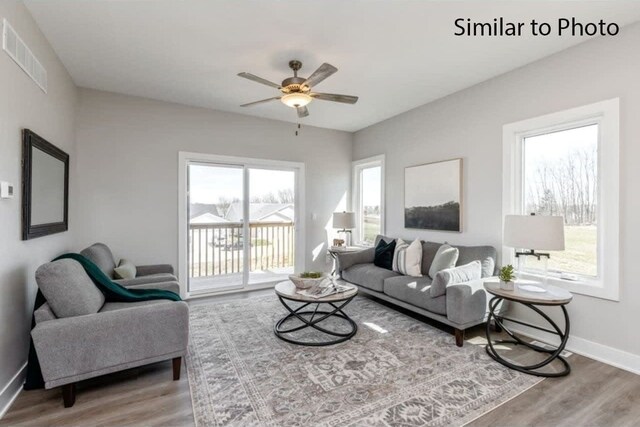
{"x": 6, "y": 190}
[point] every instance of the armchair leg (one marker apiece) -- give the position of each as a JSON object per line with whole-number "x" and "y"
{"x": 69, "y": 395}
{"x": 459, "y": 337}
{"x": 177, "y": 363}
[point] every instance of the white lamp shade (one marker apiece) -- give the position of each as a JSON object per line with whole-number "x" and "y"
{"x": 344, "y": 220}
{"x": 536, "y": 232}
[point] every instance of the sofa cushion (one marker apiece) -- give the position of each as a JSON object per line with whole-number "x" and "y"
{"x": 125, "y": 270}
{"x": 459, "y": 274}
{"x": 384, "y": 254}
{"x": 415, "y": 291}
{"x": 368, "y": 276}
{"x": 485, "y": 254}
{"x": 446, "y": 257}
{"x": 101, "y": 255}
{"x": 429, "y": 250}
{"x": 407, "y": 258}
{"x": 68, "y": 289}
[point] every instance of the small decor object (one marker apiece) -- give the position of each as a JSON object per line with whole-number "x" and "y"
{"x": 338, "y": 243}
{"x": 308, "y": 279}
{"x": 344, "y": 222}
{"x": 45, "y": 188}
{"x": 507, "y": 277}
{"x": 433, "y": 196}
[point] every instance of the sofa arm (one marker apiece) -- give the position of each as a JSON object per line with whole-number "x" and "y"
{"x": 146, "y": 280}
{"x": 467, "y": 302}
{"x": 146, "y": 270}
{"x": 165, "y": 286}
{"x": 75, "y": 347}
{"x": 349, "y": 259}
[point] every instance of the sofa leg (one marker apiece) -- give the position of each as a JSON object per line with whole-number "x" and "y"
{"x": 177, "y": 363}
{"x": 459, "y": 337}
{"x": 69, "y": 395}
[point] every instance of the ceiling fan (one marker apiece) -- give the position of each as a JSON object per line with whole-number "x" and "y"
{"x": 296, "y": 91}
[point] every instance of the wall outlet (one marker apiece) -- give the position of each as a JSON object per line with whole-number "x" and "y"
{"x": 6, "y": 190}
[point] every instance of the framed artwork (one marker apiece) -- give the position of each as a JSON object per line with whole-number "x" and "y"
{"x": 433, "y": 196}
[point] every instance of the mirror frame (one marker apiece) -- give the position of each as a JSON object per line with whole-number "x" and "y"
{"x": 31, "y": 140}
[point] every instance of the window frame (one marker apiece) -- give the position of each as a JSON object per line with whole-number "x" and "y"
{"x": 606, "y": 114}
{"x": 357, "y": 167}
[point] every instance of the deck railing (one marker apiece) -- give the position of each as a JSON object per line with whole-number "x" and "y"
{"x": 218, "y": 249}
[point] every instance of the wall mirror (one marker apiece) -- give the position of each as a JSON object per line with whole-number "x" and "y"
{"x": 45, "y": 187}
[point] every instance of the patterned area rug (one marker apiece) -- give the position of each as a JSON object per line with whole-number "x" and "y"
{"x": 396, "y": 371}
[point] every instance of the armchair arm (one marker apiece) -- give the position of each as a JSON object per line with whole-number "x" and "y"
{"x": 349, "y": 259}
{"x": 145, "y": 270}
{"x": 145, "y": 280}
{"x": 467, "y": 302}
{"x": 165, "y": 286}
{"x": 76, "y": 347}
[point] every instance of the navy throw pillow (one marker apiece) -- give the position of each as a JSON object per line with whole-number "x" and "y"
{"x": 384, "y": 254}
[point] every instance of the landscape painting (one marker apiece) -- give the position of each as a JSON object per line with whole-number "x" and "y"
{"x": 432, "y": 196}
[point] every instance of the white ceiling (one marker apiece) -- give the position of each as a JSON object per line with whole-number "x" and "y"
{"x": 394, "y": 54}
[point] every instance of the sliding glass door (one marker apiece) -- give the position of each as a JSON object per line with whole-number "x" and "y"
{"x": 241, "y": 223}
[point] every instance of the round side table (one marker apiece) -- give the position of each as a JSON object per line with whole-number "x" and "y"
{"x": 335, "y": 304}
{"x": 552, "y": 296}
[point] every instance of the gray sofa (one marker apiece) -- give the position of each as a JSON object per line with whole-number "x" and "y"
{"x": 101, "y": 255}
{"x": 462, "y": 306}
{"x": 78, "y": 336}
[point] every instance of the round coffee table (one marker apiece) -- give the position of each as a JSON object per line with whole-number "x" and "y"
{"x": 552, "y": 296}
{"x": 335, "y": 304}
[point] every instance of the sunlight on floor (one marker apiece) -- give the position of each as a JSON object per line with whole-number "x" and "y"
{"x": 375, "y": 327}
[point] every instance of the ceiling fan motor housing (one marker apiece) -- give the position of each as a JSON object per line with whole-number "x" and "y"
{"x": 294, "y": 84}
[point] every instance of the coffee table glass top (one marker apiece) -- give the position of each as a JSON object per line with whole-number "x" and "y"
{"x": 288, "y": 290}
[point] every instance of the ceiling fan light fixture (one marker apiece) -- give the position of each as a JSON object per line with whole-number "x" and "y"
{"x": 295, "y": 100}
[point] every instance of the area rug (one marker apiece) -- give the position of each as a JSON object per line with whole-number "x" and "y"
{"x": 396, "y": 371}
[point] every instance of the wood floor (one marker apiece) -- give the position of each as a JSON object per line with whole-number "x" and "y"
{"x": 594, "y": 394}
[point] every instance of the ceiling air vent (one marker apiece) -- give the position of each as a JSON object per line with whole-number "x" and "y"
{"x": 22, "y": 55}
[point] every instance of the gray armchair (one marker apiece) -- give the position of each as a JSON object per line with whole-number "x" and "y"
{"x": 78, "y": 336}
{"x": 101, "y": 255}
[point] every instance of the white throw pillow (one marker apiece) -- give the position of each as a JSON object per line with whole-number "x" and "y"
{"x": 407, "y": 258}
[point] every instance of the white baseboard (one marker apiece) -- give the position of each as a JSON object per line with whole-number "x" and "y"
{"x": 602, "y": 353}
{"x": 12, "y": 390}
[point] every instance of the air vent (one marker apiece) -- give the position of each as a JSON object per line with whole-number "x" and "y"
{"x": 22, "y": 55}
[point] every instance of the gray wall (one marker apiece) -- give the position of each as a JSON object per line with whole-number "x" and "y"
{"x": 51, "y": 115}
{"x": 128, "y": 160}
{"x": 468, "y": 124}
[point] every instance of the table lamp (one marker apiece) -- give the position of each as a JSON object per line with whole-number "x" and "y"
{"x": 534, "y": 233}
{"x": 344, "y": 222}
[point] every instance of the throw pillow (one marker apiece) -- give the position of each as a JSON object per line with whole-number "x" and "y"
{"x": 384, "y": 254}
{"x": 125, "y": 270}
{"x": 68, "y": 288}
{"x": 407, "y": 258}
{"x": 450, "y": 276}
{"x": 446, "y": 257}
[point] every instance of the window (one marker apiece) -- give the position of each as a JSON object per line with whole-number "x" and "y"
{"x": 567, "y": 164}
{"x": 368, "y": 199}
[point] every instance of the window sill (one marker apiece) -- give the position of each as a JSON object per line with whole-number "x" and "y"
{"x": 596, "y": 289}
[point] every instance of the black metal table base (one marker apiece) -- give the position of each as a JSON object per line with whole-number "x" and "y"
{"x": 316, "y": 316}
{"x": 554, "y": 353}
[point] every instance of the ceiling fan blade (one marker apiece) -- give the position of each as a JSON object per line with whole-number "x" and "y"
{"x": 302, "y": 111}
{"x": 324, "y": 71}
{"x": 260, "y": 102}
{"x": 259, "y": 80}
{"x": 345, "y": 99}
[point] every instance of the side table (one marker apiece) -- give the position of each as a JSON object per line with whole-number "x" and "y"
{"x": 552, "y": 296}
